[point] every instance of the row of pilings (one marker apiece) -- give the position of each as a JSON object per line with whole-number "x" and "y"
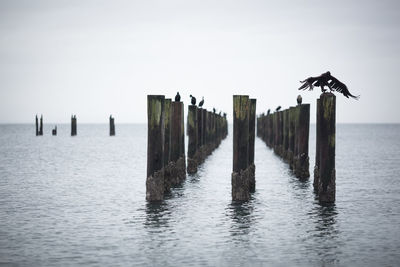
{"x": 205, "y": 131}
{"x": 74, "y": 126}
{"x": 287, "y": 133}
{"x": 243, "y": 174}
{"x": 166, "y": 164}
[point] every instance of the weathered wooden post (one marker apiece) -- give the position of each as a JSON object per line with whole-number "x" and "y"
{"x": 240, "y": 176}
{"x": 252, "y": 167}
{"x": 155, "y": 148}
{"x": 200, "y": 141}
{"x": 167, "y": 141}
{"x": 285, "y": 140}
{"x": 292, "y": 116}
{"x": 73, "y": 125}
{"x": 37, "y": 125}
{"x": 192, "y": 140}
{"x": 302, "y": 134}
{"x": 177, "y": 143}
{"x": 54, "y": 131}
{"x": 327, "y": 175}
{"x": 317, "y": 149}
{"x": 112, "y": 126}
{"x": 41, "y": 125}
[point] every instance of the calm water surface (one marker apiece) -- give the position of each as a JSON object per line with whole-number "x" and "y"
{"x": 81, "y": 201}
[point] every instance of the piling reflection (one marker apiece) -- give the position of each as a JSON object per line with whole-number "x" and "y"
{"x": 157, "y": 214}
{"x": 241, "y": 216}
{"x": 326, "y": 233}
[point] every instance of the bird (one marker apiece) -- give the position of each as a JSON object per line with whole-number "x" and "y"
{"x": 201, "y": 102}
{"x": 278, "y": 108}
{"x": 177, "y": 97}
{"x": 214, "y": 110}
{"x": 224, "y": 115}
{"x": 326, "y": 79}
{"x": 299, "y": 100}
{"x": 268, "y": 112}
{"x": 193, "y": 100}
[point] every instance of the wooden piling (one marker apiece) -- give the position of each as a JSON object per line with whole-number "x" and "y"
{"x": 285, "y": 134}
{"x": 327, "y": 128}
{"x": 301, "y": 169}
{"x": 37, "y": 125}
{"x": 155, "y": 148}
{"x": 177, "y": 143}
{"x": 252, "y": 167}
{"x": 112, "y": 126}
{"x": 317, "y": 149}
{"x": 41, "y": 125}
{"x": 192, "y": 139}
{"x": 240, "y": 179}
{"x": 167, "y": 140}
{"x": 291, "y": 136}
{"x": 73, "y": 125}
{"x": 54, "y": 131}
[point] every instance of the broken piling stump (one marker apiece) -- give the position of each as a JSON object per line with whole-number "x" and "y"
{"x": 54, "y": 131}
{"x": 37, "y": 125}
{"x": 240, "y": 175}
{"x": 327, "y": 128}
{"x": 155, "y": 148}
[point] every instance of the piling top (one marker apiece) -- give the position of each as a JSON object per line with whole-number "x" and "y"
{"x": 240, "y": 106}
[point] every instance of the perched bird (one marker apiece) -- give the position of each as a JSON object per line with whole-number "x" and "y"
{"x": 214, "y": 110}
{"x": 193, "y": 100}
{"x": 326, "y": 79}
{"x": 299, "y": 100}
{"x": 224, "y": 115}
{"x": 177, "y": 97}
{"x": 268, "y": 112}
{"x": 201, "y": 102}
{"x": 278, "y": 108}
{"x": 219, "y": 113}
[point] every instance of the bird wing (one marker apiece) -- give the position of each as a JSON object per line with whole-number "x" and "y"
{"x": 340, "y": 87}
{"x": 308, "y": 83}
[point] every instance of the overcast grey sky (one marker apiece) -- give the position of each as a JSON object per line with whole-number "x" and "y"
{"x": 95, "y": 58}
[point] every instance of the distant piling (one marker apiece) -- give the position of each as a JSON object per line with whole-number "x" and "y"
{"x": 240, "y": 174}
{"x": 41, "y": 125}
{"x": 327, "y": 128}
{"x": 73, "y": 125}
{"x": 37, "y": 125}
{"x": 54, "y": 131}
{"x": 112, "y": 126}
{"x": 155, "y": 148}
{"x": 192, "y": 140}
{"x": 252, "y": 128}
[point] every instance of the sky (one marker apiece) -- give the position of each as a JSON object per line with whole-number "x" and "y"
{"x": 96, "y": 58}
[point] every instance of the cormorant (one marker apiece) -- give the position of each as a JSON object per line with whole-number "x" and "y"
{"x": 326, "y": 79}
{"x": 193, "y": 100}
{"x": 299, "y": 100}
{"x": 278, "y": 108}
{"x": 214, "y": 110}
{"x": 268, "y": 112}
{"x": 177, "y": 97}
{"x": 201, "y": 102}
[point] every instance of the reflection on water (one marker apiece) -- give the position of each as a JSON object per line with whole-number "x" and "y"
{"x": 157, "y": 214}
{"x": 241, "y": 216}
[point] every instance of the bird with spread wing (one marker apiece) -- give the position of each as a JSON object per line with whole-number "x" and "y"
{"x": 326, "y": 79}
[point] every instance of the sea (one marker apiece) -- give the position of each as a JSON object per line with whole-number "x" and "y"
{"x": 80, "y": 201}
